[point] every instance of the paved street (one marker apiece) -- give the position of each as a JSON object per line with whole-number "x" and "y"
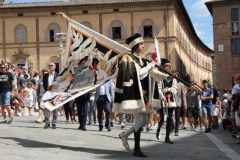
{"x": 26, "y": 140}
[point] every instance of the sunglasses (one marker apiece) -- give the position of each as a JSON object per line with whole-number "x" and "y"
{"x": 2, "y": 67}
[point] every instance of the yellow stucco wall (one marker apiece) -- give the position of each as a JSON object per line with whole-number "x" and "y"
{"x": 122, "y": 17}
{"x": 92, "y": 19}
{"x": 11, "y": 24}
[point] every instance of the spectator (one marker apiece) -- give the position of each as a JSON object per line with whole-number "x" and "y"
{"x": 30, "y": 98}
{"x": 207, "y": 107}
{"x": 92, "y": 108}
{"x": 82, "y": 108}
{"x": 104, "y": 98}
{"x": 6, "y": 87}
{"x": 22, "y": 81}
{"x": 234, "y": 108}
{"x": 193, "y": 106}
{"x": 216, "y": 106}
{"x": 47, "y": 82}
{"x": 40, "y": 92}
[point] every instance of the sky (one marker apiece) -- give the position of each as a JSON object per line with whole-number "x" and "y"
{"x": 198, "y": 12}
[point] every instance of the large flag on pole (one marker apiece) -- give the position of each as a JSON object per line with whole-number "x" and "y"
{"x": 90, "y": 60}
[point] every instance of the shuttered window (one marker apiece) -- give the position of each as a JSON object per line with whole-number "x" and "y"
{"x": 50, "y": 32}
{"x": 21, "y": 34}
{"x": 235, "y": 46}
{"x": 234, "y": 14}
{"x": 117, "y": 30}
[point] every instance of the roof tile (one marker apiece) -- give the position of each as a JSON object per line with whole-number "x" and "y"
{"x": 71, "y": 2}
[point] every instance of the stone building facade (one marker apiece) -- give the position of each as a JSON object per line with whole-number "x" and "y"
{"x": 29, "y": 28}
{"x": 225, "y": 15}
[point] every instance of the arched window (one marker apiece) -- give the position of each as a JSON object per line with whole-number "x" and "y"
{"x": 51, "y": 31}
{"x": 87, "y": 24}
{"x": 148, "y": 29}
{"x": 117, "y": 30}
{"x": 21, "y": 34}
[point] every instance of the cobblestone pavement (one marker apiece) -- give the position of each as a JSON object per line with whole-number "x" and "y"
{"x": 26, "y": 140}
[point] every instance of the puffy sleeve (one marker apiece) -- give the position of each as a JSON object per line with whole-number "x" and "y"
{"x": 174, "y": 87}
{"x": 161, "y": 96}
{"x": 143, "y": 72}
{"x": 157, "y": 75}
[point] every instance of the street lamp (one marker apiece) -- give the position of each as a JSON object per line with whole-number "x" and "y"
{"x": 60, "y": 37}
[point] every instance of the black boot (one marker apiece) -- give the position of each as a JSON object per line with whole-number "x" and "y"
{"x": 158, "y": 133}
{"x": 54, "y": 126}
{"x": 137, "y": 150}
{"x": 47, "y": 125}
{"x": 138, "y": 153}
{"x": 167, "y": 140}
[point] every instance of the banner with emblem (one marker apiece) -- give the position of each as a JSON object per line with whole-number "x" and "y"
{"x": 89, "y": 61}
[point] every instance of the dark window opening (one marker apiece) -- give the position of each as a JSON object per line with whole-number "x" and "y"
{"x": 85, "y": 12}
{"x": 20, "y": 14}
{"x": 53, "y": 13}
{"x": 235, "y": 46}
{"x": 234, "y": 14}
{"x": 116, "y": 10}
{"x": 57, "y": 68}
{"x": 116, "y": 32}
{"x": 147, "y": 31}
{"x": 51, "y": 35}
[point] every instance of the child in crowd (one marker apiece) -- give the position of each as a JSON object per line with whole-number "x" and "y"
{"x": 30, "y": 97}
{"x": 21, "y": 95}
{"x": 224, "y": 106}
{"x": 15, "y": 101}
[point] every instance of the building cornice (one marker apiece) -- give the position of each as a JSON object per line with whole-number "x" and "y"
{"x": 180, "y": 8}
{"x": 211, "y": 2}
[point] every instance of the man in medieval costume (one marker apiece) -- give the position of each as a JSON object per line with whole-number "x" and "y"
{"x": 167, "y": 92}
{"x": 133, "y": 90}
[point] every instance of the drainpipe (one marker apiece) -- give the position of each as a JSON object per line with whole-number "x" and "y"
{"x": 167, "y": 23}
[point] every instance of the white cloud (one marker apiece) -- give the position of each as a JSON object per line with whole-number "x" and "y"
{"x": 200, "y": 33}
{"x": 199, "y": 9}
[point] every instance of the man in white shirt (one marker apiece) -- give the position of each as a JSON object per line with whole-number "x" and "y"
{"x": 47, "y": 82}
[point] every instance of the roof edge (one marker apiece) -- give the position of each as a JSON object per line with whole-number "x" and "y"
{"x": 185, "y": 13}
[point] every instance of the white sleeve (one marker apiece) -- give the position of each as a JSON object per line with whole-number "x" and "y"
{"x": 143, "y": 72}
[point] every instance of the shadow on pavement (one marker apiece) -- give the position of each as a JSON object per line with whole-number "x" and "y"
{"x": 36, "y": 144}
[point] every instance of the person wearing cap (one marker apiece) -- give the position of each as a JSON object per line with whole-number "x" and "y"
{"x": 133, "y": 89}
{"x": 167, "y": 90}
